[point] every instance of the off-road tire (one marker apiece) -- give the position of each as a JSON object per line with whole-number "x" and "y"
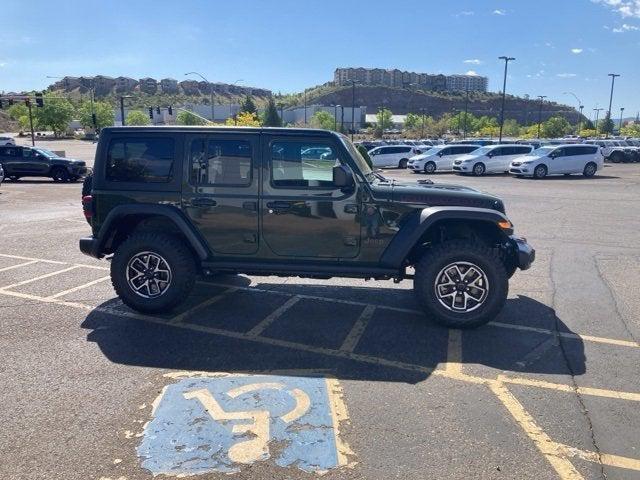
{"x": 479, "y": 169}
{"x": 429, "y": 167}
{"x": 440, "y": 256}
{"x": 87, "y": 185}
{"x": 403, "y": 163}
{"x": 179, "y": 259}
{"x": 590, "y": 169}
{"x": 540, "y": 172}
{"x": 60, "y": 175}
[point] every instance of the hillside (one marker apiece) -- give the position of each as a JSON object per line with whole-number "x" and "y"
{"x": 6, "y": 124}
{"x": 435, "y": 104}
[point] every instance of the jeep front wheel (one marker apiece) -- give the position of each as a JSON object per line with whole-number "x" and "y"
{"x": 461, "y": 284}
{"x": 152, "y": 272}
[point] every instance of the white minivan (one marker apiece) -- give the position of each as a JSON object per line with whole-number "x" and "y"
{"x": 392, "y": 155}
{"x": 490, "y": 159}
{"x": 438, "y": 158}
{"x": 559, "y": 160}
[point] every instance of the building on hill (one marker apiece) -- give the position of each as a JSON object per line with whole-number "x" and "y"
{"x": 189, "y": 87}
{"x": 169, "y": 85}
{"x": 103, "y": 85}
{"x": 399, "y": 79}
{"x": 148, "y": 85}
{"x": 125, "y": 84}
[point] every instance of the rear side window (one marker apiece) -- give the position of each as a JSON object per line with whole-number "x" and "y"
{"x": 220, "y": 162}
{"x": 521, "y": 150}
{"x": 302, "y": 165}
{"x": 141, "y": 160}
{"x": 466, "y": 149}
{"x": 9, "y": 152}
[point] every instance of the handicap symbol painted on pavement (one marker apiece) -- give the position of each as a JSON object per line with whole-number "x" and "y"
{"x": 219, "y": 422}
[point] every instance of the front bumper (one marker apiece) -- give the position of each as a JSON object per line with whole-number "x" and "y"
{"x": 90, "y": 246}
{"x": 525, "y": 254}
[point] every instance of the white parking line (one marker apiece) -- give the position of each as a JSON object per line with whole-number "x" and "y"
{"x": 273, "y": 316}
{"x": 18, "y": 257}
{"x": 79, "y": 287}
{"x": 24, "y": 264}
{"x": 41, "y": 277}
{"x": 354, "y": 336}
{"x": 206, "y": 303}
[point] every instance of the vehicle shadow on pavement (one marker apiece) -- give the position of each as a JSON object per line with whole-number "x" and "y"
{"x": 395, "y": 345}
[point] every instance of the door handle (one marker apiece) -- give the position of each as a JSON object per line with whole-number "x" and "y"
{"x": 252, "y": 206}
{"x": 203, "y": 202}
{"x": 279, "y": 205}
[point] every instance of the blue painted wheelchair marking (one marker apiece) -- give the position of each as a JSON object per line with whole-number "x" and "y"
{"x": 217, "y": 424}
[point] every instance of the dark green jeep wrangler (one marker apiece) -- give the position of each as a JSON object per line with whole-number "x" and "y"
{"x": 170, "y": 203}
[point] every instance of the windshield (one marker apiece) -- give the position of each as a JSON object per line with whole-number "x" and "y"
{"x": 45, "y": 152}
{"x": 541, "y": 152}
{"x": 362, "y": 164}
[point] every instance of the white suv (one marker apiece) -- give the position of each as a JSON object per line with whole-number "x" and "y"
{"x": 438, "y": 158}
{"x": 490, "y": 159}
{"x": 7, "y": 141}
{"x": 392, "y": 155}
{"x": 559, "y": 160}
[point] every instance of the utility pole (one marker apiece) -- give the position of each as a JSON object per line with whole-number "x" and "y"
{"x": 305, "y": 107}
{"x": 597, "y": 110}
{"x": 466, "y": 110}
{"x": 580, "y": 120}
{"x": 341, "y": 118}
{"x": 210, "y": 85}
{"x": 353, "y": 108}
{"x": 33, "y": 137}
{"x": 613, "y": 80}
{"x": 335, "y": 118}
{"x": 504, "y": 88}
{"x": 620, "y": 126}
{"x": 541, "y": 97}
{"x": 422, "y": 128}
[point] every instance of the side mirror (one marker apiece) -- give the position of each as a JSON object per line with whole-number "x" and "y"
{"x": 342, "y": 177}
{"x": 440, "y": 154}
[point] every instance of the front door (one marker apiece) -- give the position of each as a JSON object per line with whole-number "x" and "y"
{"x": 220, "y": 192}
{"x": 559, "y": 162}
{"x": 303, "y": 213}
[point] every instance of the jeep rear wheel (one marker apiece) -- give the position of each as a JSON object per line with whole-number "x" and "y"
{"x": 461, "y": 284}
{"x": 152, "y": 272}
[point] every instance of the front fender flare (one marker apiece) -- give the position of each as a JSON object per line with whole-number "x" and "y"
{"x": 417, "y": 225}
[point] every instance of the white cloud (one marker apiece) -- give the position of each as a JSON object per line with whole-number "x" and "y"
{"x": 473, "y": 61}
{"x": 626, "y": 8}
{"x": 472, "y": 73}
{"x": 499, "y": 12}
{"x": 465, "y": 13}
{"x": 3, "y": 64}
{"x": 625, "y": 28}
{"x": 566, "y": 75}
{"x": 576, "y": 50}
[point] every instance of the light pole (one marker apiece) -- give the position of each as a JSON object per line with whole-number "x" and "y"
{"x": 341, "y": 118}
{"x": 335, "y": 117}
{"x": 580, "y": 120}
{"x": 620, "y": 125}
{"x": 281, "y": 105}
{"x": 122, "y": 97}
{"x": 597, "y": 110}
{"x": 353, "y": 108}
{"x": 305, "y": 107}
{"x": 613, "y": 81}
{"x": 210, "y": 93}
{"x": 466, "y": 110}
{"x": 541, "y": 97}
{"x": 580, "y": 107}
{"x": 504, "y": 87}
{"x": 422, "y": 110}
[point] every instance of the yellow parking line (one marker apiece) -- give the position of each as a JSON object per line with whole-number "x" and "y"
{"x": 602, "y": 458}
{"x": 550, "y": 449}
{"x": 596, "y": 392}
{"x": 79, "y": 287}
{"x": 272, "y": 317}
{"x": 41, "y": 277}
{"x": 454, "y": 353}
{"x": 339, "y": 416}
{"x": 179, "y": 318}
{"x": 351, "y": 342}
{"x": 30, "y": 262}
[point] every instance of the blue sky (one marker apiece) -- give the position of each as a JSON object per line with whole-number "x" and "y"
{"x": 560, "y": 45}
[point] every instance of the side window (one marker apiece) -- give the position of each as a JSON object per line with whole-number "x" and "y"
{"x": 27, "y": 153}
{"x": 142, "y": 160}
{"x": 220, "y": 162}
{"x": 560, "y": 152}
{"x": 468, "y": 149}
{"x": 405, "y": 149}
{"x": 498, "y": 152}
{"x": 302, "y": 165}
{"x": 522, "y": 150}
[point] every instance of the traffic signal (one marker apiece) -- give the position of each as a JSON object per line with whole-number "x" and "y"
{"x": 158, "y": 110}
{"x": 151, "y": 113}
{"x": 94, "y": 119}
{"x": 170, "y": 109}
{"x": 27, "y": 102}
{"x": 39, "y": 100}
{"x": 10, "y": 101}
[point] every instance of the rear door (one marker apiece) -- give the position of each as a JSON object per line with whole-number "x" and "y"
{"x": 303, "y": 213}
{"x": 220, "y": 194}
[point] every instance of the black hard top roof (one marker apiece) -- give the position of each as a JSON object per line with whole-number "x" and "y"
{"x": 221, "y": 129}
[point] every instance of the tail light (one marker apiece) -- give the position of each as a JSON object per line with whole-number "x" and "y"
{"x": 87, "y": 206}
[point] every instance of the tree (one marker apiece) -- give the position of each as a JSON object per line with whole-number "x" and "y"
{"x": 55, "y": 114}
{"x": 555, "y": 127}
{"x": 188, "y": 118}
{"x": 17, "y": 110}
{"x": 511, "y": 128}
{"x": 104, "y": 114}
{"x": 384, "y": 121}
{"x": 248, "y": 105}
{"x": 588, "y": 125}
{"x": 322, "y": 119}
{"x": 271, "y": 117}
{"x": 588, "y": 132}
{"x": 631, "y": 130}
{"x": 606, "y": 125}
{"x": 244, "y": 119}
{"x": 413, "y": 121}
{"x": 136, "y": 117}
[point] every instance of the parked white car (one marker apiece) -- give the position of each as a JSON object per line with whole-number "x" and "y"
{"x": 438, "y": 158}
{"x": 490, "y": 159}
{"x": 559, "y": 160}
{"x": 392, "y": 155}
{"x": 7, "y": 141}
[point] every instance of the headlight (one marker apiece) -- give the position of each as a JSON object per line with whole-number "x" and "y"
{"x": 527, "y": 163}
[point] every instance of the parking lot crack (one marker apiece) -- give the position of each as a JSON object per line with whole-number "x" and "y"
{"x": 574, "y": 385}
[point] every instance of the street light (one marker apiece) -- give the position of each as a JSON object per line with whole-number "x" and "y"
{"x": 504, "y": 87}
{"x": 580, "y": 120}
{"x": 305, "y": 107}
{"x": 613, "y": 80}
{"x": 597, "y": 110}
{"x": 353, "y": 108}
{"x": 541, "y": 97}
{"x": 620, "y": 126}
{"x": 210, "y": 92}
{"x": 335, "y": 117}
{"x": 122, "y": 97}
{"x": 281, "y": 106}
{"x": 466, "y": 110}
{"x": 580, "y": 107}
{"x": 422, "y": 110}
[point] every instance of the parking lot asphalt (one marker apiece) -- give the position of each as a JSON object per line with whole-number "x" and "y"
{"x": 356, "y": 382}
